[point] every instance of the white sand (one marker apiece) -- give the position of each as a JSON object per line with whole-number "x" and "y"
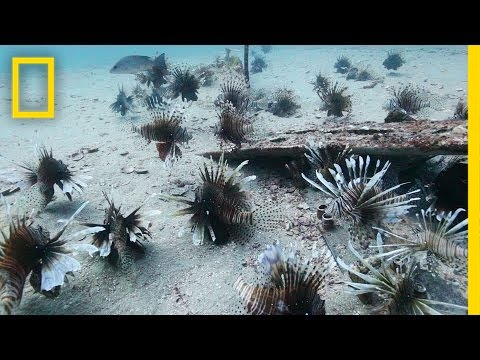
{"x": 175, "y": 277}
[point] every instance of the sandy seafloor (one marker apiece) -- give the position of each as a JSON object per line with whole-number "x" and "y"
{"x": 174, "y": 276}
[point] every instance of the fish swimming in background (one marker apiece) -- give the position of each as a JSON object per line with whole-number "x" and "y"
{"x": 30, "y": 249}
{"x": 135, "y": 64}
{"x": 123, "y": 103}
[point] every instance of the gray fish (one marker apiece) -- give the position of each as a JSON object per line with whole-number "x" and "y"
{"x": 136, "y": 63}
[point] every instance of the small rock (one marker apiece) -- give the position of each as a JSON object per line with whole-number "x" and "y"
{"x": 128, "y": 170}
{"x": 178, "y": 191}
{"x": 303, "y": 206}
{"x": 141, "y": 171}
{"x": 459, "y": 89}
{"x": 124, "y": 153}
{"x": 10, "y": 190}
{"x": 77, "y": 156}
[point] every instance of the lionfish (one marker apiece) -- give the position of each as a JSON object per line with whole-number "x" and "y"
{"x": 293, "y": 288}
{"x": 233, "y": 126}
{"x": 28, "y": 250}
{"x": 322, "y": 158}
{"x": 166, "y": 131}
{"x": 398, "y": 291}
{"x": 156, "y": 75}
{"x": 184, "y": 83}
{"x": 362, "y": 197}
{"x": 435, "y": 233}
{"x": 235, "y": 93}
{"x": 42, "y": 178}
{"x": 220, "y": 207}
{"x": 119, "y": 237}
{"x": 123, "y": 103}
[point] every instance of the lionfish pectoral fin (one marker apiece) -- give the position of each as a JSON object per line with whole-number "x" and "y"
{"x": 164, "y": 149}
{"x": 54, "y": 270}
{"x": 198, "y": 235}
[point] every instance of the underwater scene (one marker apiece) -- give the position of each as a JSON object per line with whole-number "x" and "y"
{"x": 234, "y": 179}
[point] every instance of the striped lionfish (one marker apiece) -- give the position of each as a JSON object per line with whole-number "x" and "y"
{"x": 123, "y": 103}
{"x": 220, "y": 206}
{"x": 293, "y": 287}
{"x": 233, "y": 125}
{"x": 119, "y": 237}
{"x": 42, "y": 178}
{"x": 398, "y": 291}
{"x": 166, "y": 131}
{"x": 435, "y": 232}
{"x": 28, "y": 250}
{"x": 322, "y": 158}
{"x": 362, "y": 197}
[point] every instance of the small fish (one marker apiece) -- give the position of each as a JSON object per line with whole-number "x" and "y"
{"x": 135, "y": 64}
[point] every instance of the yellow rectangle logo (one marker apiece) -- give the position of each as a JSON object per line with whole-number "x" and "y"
{"x": 50, "y": 62}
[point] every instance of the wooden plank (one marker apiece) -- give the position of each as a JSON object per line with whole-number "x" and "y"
{"x": 417, "y": 139}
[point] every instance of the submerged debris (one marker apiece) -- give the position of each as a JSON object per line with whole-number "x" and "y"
{"x": 119, "y": 237}
{"x": 29, "y": 249}
{"x": 335, "y": 102}
{"x": 230, "y": 61}
{"x": 123, "y": 104}
{"x": 400, "y": 293}
{"x": 443, "y": 181}
{"x": 293, "y": 287}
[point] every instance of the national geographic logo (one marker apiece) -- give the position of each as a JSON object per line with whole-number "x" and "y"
{"x": 50, "y": 62}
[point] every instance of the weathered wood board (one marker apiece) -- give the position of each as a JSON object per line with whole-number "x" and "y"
{"x": 418, "y": 139}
